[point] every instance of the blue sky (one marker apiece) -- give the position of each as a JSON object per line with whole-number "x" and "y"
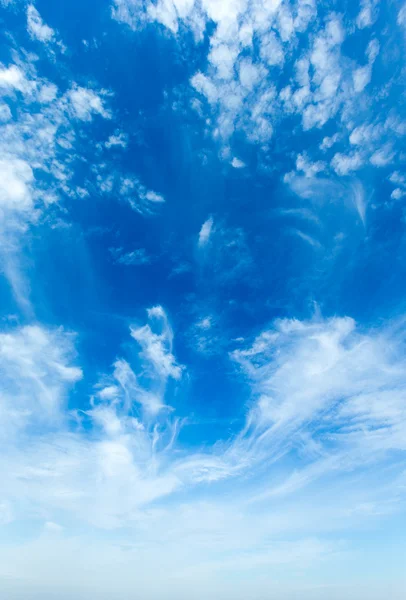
{"x": 202, "y": 334}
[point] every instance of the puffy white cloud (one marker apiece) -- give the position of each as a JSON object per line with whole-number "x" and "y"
{"x": 205, "y": 86}
{"x": 250, "y": 74}
{"x": 237, "y": 163}
{"x": 398, "y": 193}
{"x": 13, "y": 79}
{"x": 36, "y": 27}
{"x": 382, "y": 157}
{"x": 154, "y": 197}
{"x": 309, "y": 169}
{"x": 361, "y": 77}
{"x": 344, "y": 163}
{"x": 271, "y": 50}
{"x": 368, "y": 13}
{"x": 16, "y": 178}
{"x": 372, "y": 50}
{"x": 117, "y": 140}
{"x": 328, "y": 142}
{"x": 86, "y": 103}
{"x": 242, "y": 84}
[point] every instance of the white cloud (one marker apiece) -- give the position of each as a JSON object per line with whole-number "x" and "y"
{"x": 401, "y": 19}
{"x": 13, "y": 79}
{"x": 363, "y": 134}
{"x": 242, "y": 80}
{"x": 368, "y": 13}
{"x": 37, "y": 137}
{"x": 113, "y": 463}
{"x": 154, "y": 197}
{"x": 36, "y": 27}
{"x": 5, "y": 113}
{"x": 307, "y": 238}
{"x": 271, "y": 50}
{"x": 332, "y": 363}
{"x": 223, "y": 57}
{"x": 140, "y": 198}
{"x": 16, "y": 178}
{"x": 398, "y": 178}
{"x": 250, "y": 74}
{"x": 205, "y": 86}
{"x": 47, "y": 93}
{"x": 358, "y": 199}
{"x": 343, "y": 164}
{"x": 205, "y": 232}
{"x": 398, "y": 193}
{"x": 361, "y": 77}
{"x": 135, "y": 257}
{"x": 328, "y": 142}
{"x": 205, "y": 323}
{"x": 36, "y": 373}
{"x": 310, "y": 169}
{"x": 317, "y": 190}
{"x": 382, "y": 157}
{"x": 157, "y": 347}
{"x": 86, "y": 103}
{"x": 237, "y": 163}
{"x": 372, "y": 50}
{"x": 117, "y": 140}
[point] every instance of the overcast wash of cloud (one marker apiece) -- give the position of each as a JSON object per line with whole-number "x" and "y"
{"x": 202, "y": 287}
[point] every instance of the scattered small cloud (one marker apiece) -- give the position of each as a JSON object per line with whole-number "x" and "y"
{"x": 237, "y": 163}
{"x": 119, "y": 140}
{"x": 136, "y": 257}
{"x": 205, "y": 323}
{"x": 205, "y": 232}
{"x": 86, "y": 103}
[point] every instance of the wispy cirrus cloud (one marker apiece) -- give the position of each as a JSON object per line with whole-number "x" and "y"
{"x": 303, "y": 376}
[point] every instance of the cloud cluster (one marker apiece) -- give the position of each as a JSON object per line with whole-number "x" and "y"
{"x": 271, "y": 64}
{"x": 322, "y": 390}
{"x": 43, "y": 133}
{"x": 303, "y": 375}
{"x": 38, "y": 137}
